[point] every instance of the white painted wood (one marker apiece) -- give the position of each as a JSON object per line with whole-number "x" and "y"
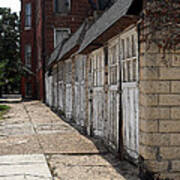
{"x": 68, "y": 96}
{"x": 129, "y": 70}
{"x": 61, "y": 94}
{"x": 80, "y": 101}
{"x": 112, "y": 135}
{"x": 97, "y": 105}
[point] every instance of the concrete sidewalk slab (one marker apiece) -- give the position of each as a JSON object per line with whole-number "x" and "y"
{"x": 94, "y": 167}
{"x": 19, "y": 145}
{"x": 24, "y": 167}
{"x": 68, "y": 143}
{"x": 31, "y": 129}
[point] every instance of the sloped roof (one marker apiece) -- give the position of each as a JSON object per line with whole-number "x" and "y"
{"x": 73, "y": 42}
{"x": 54, "y": 55}
{"x": 108, "y": 25}
{"x": 113, "y": 14}
{"x": 69, "y": 46}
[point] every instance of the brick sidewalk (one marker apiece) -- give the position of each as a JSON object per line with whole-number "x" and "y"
{"x": 32, "y": 128}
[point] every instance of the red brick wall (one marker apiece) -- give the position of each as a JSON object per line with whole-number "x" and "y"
{"x": 79, "y": 11}
{"x": 27, "y": 37}
{"x": 72, "y": 20}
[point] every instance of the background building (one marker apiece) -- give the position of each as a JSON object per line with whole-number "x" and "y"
{"x": 44, "y": 24}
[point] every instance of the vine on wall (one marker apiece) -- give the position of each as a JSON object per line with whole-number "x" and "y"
{"x": 162, "y": 19}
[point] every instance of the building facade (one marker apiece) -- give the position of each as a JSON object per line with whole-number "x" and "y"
{"x": 106, "y": 79}
{"x": 44, "y": 24}
{"x": 115, "y": 87}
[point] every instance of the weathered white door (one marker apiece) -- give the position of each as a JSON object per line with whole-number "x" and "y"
{"x": 47, "y": 87}
{"x": 61, "y": 87}
{"x": 79, "y": 106}
{"x": 129, "y": 64}
{"x": 50, "y": 87}
{"x": 98, "y": 97}
{"x": 68, "y": 109}
{"x": 55, "y": 88}
{"x": 113, "y": 94}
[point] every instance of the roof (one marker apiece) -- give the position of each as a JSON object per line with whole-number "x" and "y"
{"x": 54, "y": 55}
{"x": 111, "y": 23}
{"x": 113, "y": 14}
{"x": 73, "y": 42}
{"x": 69, "y": 46}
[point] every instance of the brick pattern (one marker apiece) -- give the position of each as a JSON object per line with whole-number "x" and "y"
{"x": 34, "y": 36}
{"x": 160, "y": 111}
{"x": 27, "y": 37}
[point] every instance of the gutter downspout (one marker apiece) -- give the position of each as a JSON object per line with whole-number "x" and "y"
{"x": 43, "y": 49}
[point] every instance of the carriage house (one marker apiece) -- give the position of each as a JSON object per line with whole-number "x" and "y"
{"x": 104, "y": 79}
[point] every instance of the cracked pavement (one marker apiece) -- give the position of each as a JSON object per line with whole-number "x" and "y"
{"x": 36, "y": 144}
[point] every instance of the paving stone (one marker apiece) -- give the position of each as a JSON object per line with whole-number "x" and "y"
{"x": 16, "y": 129}
{"x": 91, "y": 167}
{"x": 16, "y": 159}
{"x": 69, "y": 154}
{"x": 23, "y": 166}
{"x": 19, "y": 145}
{"x": 68, "y": 143}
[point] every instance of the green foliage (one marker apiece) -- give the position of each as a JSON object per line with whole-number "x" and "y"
{"x": 10, "y": 71}
{"x": 3, "y": 109}
{"x": 162, "y": 17}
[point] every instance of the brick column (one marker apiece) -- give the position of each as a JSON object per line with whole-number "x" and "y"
{"x": 160, "y": 111}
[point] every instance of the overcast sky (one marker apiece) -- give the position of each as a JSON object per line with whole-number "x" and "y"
{"x": 13, "y": 4}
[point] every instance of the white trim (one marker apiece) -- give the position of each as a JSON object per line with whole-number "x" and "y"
{"x": 27, "y": 28}
{"x": 60, "y": 29}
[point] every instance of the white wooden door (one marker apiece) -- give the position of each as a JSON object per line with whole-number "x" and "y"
{"x": 55, "y": 88}
{"x": 50, "y": 94}
{"x": 98, "y": 97}
{"x": 129, "y": 69}
{"x": 79, "y": 107}
{"x": 68, "y": 109}
{"x": 113, "y": 93}
{"x": 61, "y": 87}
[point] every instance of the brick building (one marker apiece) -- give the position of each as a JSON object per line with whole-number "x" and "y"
{"x": 103, "y": 78}
{"x": 44, "y": 24}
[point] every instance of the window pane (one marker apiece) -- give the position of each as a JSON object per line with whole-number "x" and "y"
{"x": 28, "y": 15}
{"x": 62, "y": 6}
{"x": 60, "y": 35}
{"x": 28, "y": 55}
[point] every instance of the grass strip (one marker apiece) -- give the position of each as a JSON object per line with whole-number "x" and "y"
{"x": 3, "y": 110}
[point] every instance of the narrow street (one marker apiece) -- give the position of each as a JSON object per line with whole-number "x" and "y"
{"x": 36, "y": 144}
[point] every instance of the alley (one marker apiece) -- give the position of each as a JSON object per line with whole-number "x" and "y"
{"x": 36, "y": 144}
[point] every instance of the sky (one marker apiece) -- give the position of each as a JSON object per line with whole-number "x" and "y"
{"x": 13, "y": 4}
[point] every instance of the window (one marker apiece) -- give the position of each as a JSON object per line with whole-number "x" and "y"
{"x": 98, "y": 69}
{"x": 28, "y": 53}
{"x": 62, "y": 6}
{"x": 113, "y": 64}
{"x": 129, "y": 57}
{"x": 60, "y": 35}
{"x": 28, "y": 15}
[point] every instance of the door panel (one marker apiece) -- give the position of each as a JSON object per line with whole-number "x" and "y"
{"x": 113, "y": 93}
{"x": 68, "y": 99}
{"x": 129, "y": 69}
{"x": 97, "y": 108}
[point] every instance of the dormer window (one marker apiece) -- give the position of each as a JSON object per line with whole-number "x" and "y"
{"x": 62, "y": 6}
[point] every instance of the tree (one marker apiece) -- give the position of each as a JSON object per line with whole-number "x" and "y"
{"x": 10, "y": 71}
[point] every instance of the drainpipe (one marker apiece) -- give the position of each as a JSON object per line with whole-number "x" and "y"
{"x": 43, "y": 49}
